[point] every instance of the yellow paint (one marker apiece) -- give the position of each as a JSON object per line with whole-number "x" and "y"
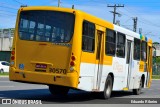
{"x": 30, "y": 53}
{"x": 150, "y": 41}
{"x": 108, "y": 60}
{"x": 141, "y": 66}
{"x": 125, "y": 89}
{"x": 91, "y": 57}
{"x": 149, "y": 62}
{"x": 143, "y": 37}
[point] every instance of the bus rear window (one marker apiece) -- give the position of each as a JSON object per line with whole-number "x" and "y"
{"x": 46, "y": 26}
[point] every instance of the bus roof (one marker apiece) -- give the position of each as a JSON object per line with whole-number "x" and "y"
{"x": 99, "y": 21}
{"x": 126, "y": 31}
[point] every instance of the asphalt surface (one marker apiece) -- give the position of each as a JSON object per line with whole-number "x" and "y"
{"x": 14, "y": 90}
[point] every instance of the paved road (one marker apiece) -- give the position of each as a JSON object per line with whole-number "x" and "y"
{"x": 23, "y": 91}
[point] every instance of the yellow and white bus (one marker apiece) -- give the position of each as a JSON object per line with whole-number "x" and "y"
{"x": 67, "y": 48}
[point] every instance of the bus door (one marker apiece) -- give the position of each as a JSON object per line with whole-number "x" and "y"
{"x": 149, "y": 65}
{"x": 98, "y": 68}
{"x": 129, "y": 64}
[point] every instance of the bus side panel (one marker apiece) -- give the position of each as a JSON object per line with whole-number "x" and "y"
{"x": 136, "y": 80}
{"x": 145, "y": 81}
{"x": 118, "y": 70}
{"x": 106, "y": 70}
{"x": 119, "y": 73}
{"x": 139, "y": 71}
{"x": 86, "y": 76}
{"x": 135, "y": 75}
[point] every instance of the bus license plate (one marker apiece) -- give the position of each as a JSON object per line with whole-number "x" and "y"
{"x": 42, "y": 66}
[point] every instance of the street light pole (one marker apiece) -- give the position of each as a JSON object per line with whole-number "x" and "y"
{"x": 59, "y": 1}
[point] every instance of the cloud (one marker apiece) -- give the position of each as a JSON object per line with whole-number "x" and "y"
{"x": 7, "y": 21}
{"x": 148, "y": 17}
{"x": 99, "y": 10}
{"x": 147, "y": 21}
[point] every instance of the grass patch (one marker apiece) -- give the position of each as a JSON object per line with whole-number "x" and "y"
{"x": 155, "y": 76}
{"x": 4, "y": 74}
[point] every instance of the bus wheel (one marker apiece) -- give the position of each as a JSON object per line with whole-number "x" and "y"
{"x": 58, "y": 90}
{"x": 108, "y": 88}
{"x": 138, "y": 91}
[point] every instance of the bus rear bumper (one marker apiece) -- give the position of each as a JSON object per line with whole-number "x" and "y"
{"x": 68, "y": 80}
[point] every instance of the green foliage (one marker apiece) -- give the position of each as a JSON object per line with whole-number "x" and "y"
{"x": 4, "y": 74}
{"x": 155, "y": 43}
{"x": 155, "y": 76}
{"x": 158, "y": 60}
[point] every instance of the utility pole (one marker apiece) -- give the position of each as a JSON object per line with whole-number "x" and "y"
{"x": 59, "y": 1}
{"x": 72, "y": 6}
{"x": 114, "y": 11}
{"x": 140, "y": 30}
{"x": 135, "y": 24}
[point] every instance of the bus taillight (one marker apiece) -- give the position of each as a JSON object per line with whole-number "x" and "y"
{"x": 72, "y": 63}
{"x": 73, "y": 58}
{"x": 12, "y": 57}
{"x": 13, "y": 52}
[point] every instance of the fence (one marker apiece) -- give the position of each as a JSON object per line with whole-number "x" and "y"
{"x": 156, "y": 69}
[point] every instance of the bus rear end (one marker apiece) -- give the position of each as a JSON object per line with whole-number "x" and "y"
{"x": 42, "y": 49}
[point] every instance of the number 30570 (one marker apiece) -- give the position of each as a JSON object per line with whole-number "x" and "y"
{"x": 57, "y": 70}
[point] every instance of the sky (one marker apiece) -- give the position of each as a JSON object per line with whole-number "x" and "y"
{"x": 147, "y": 11}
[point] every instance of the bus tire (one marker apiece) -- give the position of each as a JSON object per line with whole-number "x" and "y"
{"x": 138, "y": 91}
{"x": 106, "y": 94}
{"x": 58, "y": 90}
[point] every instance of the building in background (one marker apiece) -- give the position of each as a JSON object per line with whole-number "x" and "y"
{"x": 156, "y": 61}
{"x": 157, "y": 46}
{"x": 6, "y": 40}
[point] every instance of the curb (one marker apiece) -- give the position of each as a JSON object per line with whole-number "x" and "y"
{"x": 4, "y": 76}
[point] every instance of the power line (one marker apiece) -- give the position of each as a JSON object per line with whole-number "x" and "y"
{"x": 18, "y": 2}
{"x": 127, "y": 27}
{"x": 7, "y": 11}
{"x": 114, "y": 11}
{"x": 143, "y": 19}
{"x": 6, "y": 14}
{"x": 148, "y": 23}
{"x": 8, "y": 7}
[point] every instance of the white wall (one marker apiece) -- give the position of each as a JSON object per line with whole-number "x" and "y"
{"x": 6, "y": 44}
{"x": 157, "y": 46}
{"x": 157, "y": 52}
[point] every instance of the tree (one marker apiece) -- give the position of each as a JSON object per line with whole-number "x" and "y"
{"x": 155, "y": 43}
{"x": 158, "y": 60}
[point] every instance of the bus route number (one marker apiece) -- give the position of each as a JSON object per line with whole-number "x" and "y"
{"x": 57, "y": 70}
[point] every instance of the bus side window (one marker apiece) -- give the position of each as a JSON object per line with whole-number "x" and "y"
{"x": 110, "y": 42}
{"x": 40, "y": 32}
{"x": 47, "y": 32}
{"x": 136, "y": 49}
{"x": 143, "y": 51}
{"x": 120, "y": 45}
{"x": 88, "y": 38}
